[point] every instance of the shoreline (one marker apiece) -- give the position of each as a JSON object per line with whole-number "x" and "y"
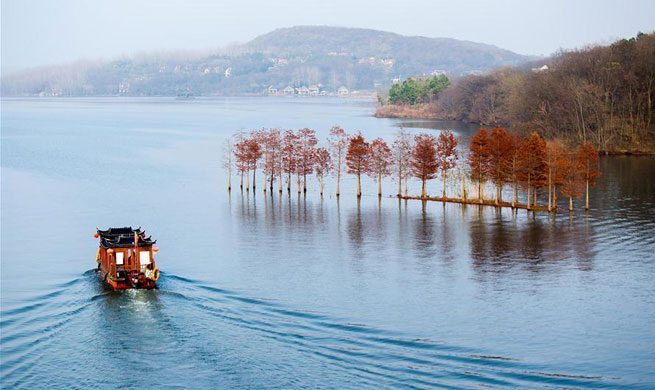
{"x": 428, "y": 112}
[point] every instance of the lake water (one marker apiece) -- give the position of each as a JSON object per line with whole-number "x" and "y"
{"x": 261, "y": 291}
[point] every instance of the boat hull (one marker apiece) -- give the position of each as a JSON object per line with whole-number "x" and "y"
{"x": 125, "y": 283}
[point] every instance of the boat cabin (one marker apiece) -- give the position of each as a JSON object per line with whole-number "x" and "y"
{"x": 126, "y": 258}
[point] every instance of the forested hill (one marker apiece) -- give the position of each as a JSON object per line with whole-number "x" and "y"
{"x": 328, "y": 57}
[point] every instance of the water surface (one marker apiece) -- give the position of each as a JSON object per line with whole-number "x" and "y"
{"x": 261, "y": 291}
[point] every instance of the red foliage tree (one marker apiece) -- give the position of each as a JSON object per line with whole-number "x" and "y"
{"x": 253, "y": 154}
{"x": 228, "y": 160}
{"x": 532, "y": 166}
{"x": 357, "y": 158}
{"x": 260, "y": 137}
{"x": 288, "y": 155}
{"x": 306, "y": 152}
{"x": 446, "y": 155}
{"x": 380, "y": 161}
{"x": 338, "y": 141}
{"x": 424, "y": 163}
{"x": 555, "y": 162}
{"x": 272, "y": 154}
{"x": 240, "y": 157}
{"x": 588, "y": 164}
{"x": 478, "y": 159}
{"x": 322, "y": 164}
{"x": 571, "y": 178}
{"x": 402, "y": 154}
{"x": 499, "y": 151}
{"x": 513, "y": 164}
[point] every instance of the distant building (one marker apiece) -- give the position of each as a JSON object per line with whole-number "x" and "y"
{"x": 123, "y": 87}
{"x": 323, "y": 93}
{"x": 342, "y": 91}
{"x": 388, "y": 63}
{"x": 303, "y": 91}
{"x": 395, "y": 81}
{"x": 313, "y": 90}
{"x": 540, "y": 70}
{"x": 288, "y": 90}
{"x": 272, "y": 90}
{"x": 206, "y": 71}
{"x": 228, "y": 72}
{"x": 438, "y": 72}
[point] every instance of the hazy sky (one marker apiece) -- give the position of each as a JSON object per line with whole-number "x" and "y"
{"x": 40, "y": 32}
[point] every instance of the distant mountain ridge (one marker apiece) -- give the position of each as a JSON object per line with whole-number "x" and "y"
{"x": 327, "y": 57}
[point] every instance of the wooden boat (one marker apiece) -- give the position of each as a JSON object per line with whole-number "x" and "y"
{"x": 126, "y": 259}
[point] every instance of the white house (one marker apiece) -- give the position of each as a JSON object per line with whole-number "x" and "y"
{"x": 272, "y": 90}
{"x": 539, "y": 70}
{"x": 123, "y": 87}
{"x": 288, "y": 90}
{"x": 228, "y": 72}
{"x": 342, "y": 91}
{"x": 313, "y": 90}
{"x": 303, "y": 91}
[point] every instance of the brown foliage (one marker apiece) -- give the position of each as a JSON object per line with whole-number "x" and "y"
{"x": 424, "y": 163}
{"x": 357, "y": 158}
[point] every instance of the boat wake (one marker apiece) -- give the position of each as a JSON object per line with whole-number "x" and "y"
{"x": 368, "y": 356}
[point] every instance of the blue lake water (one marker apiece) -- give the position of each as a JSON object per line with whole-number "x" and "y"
{"x": 261, "y": 291}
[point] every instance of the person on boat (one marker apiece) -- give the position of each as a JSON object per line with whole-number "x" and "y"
{"x": 150, "y": 273}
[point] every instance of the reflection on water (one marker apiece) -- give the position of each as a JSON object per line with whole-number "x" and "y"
{"x": 269, "y": 290}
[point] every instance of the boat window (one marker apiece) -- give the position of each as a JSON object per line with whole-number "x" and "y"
{"x": 120, "y": 257}
{"x": 144, "y": 258}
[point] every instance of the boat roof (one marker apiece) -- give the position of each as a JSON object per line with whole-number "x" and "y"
{"x": 124, "y": 238}
{"x": 112, "y": 232}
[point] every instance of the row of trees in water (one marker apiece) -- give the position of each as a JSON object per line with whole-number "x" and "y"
{"x": 528, "y": 164}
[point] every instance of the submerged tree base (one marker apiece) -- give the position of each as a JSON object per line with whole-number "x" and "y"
{"x": 477, "y": 202}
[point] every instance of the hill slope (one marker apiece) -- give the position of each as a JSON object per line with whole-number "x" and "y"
{"x": 326, "y": 56}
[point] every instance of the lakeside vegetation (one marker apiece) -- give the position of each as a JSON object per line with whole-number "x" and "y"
{"x": 418, "y": 90}
{"x": 604, "y": 95}
{"x": 495, "y": 157}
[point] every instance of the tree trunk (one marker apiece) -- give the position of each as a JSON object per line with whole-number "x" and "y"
{"x": 400, "y": 180}
{"x": 550, "y": 189}
{"x": 289, "y": 182}
{"x": 254, "y": 182}
{"x": 570, "y": 204}
{"x": 229, "y": 182}
{"x": 529, "y": 194}
{"x": 359, "y": 185}
{"x": 534, "y": 197}
{"x": 280, "y": 178}
{"x": 463, "y": 185}
{"x": 444, "y": 186}
{"x": 241, "y": 184}
{"x": 406, "y": 180}
{"x": 586, "y": 206}
{"x": 555, "y": 197}
{"x": 321, "y": 185}
{"x": 265, "y": 180}
{"x": 304, "y": 182}
{"x": 338, "y": 172}
{"x": 514, "y": 194}
{"x": 298, "y": 182}
{"x": 480, "y": 191}
{"x": 248, "y": 180}
{"x": 423, "y": 193}
{"x": 379, "y": 185}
